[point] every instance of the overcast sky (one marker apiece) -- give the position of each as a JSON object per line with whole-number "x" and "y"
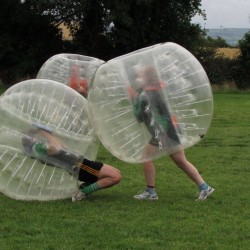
{"x": 225, "y": 13}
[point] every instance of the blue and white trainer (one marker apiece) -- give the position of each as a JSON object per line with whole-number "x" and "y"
{"x": 146, "y": 196}
{"x": 203, "y": 194}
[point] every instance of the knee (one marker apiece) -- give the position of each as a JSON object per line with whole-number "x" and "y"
{"x": 116, "y": 178}
{"x": 111, "y": 173}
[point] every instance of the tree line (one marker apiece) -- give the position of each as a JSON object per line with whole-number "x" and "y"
{"x": 106, "y": 29}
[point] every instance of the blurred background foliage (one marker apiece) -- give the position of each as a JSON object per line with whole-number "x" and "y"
{"x": 31, "y": 33}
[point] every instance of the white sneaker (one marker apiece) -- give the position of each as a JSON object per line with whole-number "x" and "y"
{"x": 146, "y": 196}
{"x": 79, "y": 195}
{"x": 203, "y": 194}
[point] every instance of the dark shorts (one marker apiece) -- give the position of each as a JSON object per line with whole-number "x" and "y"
{"x": 164, "y": 142}
{"x": 89, "y": 171}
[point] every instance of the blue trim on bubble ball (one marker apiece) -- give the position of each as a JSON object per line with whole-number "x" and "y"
{"x": 44, "y": 127}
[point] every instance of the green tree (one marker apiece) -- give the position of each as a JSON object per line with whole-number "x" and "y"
{"x": 242, "y": 67}
{"x": 100, "y": 28}
{"x": 27, "y": 40}
{"x": 137, "y": 24}
{"x": 216, "y": 65}
{"x": 109, "y": 28}
{"x": 218, "y": 42}
{"x": 88, "y": 21}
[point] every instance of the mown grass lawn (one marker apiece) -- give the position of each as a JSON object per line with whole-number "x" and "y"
{"x": 112, "y": 219}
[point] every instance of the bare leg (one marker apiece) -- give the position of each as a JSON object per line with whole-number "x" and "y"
{"x": 149, "y": 173}
{"x": 180, "y": 160}
{"x": 149, "y": 167}
{"x": 108, "y": 177}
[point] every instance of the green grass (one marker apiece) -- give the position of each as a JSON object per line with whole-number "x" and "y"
{"x": 112, "y": 219}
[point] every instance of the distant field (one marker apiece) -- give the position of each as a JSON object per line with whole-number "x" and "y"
{"x": 65, "y": 31}
{"x": 229, "y": 52}
{"x": 230, "y": 35}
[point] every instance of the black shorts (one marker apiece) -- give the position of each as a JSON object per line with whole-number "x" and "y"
{"x": 89, "y": 171}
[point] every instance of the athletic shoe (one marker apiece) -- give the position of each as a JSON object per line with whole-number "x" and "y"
{"x": 146, "y": 196}
{"x": 79, "y": 195}
{"x": 203, "y": 194}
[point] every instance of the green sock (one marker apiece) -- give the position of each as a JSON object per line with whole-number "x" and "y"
{"x": 90, "y": 189}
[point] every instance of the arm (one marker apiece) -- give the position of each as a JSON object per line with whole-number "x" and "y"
{"x": 136, "y": 101}
{"x": 137, "y": 109}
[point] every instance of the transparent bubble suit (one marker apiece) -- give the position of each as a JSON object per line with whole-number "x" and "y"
{"x": 36, "y": 103}
{"x": 70, "y": 69}
{"x": 137, "y": 121}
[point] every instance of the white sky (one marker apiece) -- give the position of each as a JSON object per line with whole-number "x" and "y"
{"x": 225, "y": 13}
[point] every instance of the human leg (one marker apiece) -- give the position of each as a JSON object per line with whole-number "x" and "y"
{"x": 95, "y": 176}
{"x": 149, "y": 173}
{"x": 190, "y": 170}
{"x": 108, "y": 177}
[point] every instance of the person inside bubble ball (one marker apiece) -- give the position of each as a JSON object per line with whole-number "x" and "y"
{"x": 40, "y": 143}
{"x": 150, "y": 108}
{"x": 77, "y": 82}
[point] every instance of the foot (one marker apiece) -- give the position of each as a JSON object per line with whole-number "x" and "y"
{"x": 79, "y": 195}
{"x": 203, "y": 194}
{"x": 146, "y": 196}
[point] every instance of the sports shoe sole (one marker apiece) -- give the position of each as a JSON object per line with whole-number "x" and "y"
{"x": 149, "y": 198}
{"x": 208, "y": 193}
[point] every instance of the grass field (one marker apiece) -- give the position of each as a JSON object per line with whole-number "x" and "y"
{"x": 112, "y": 219}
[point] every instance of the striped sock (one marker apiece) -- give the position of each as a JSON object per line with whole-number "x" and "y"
{"x": 90, "y": 189}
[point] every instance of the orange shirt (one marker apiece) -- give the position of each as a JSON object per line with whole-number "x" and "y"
{"x": 78, "y": 84}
